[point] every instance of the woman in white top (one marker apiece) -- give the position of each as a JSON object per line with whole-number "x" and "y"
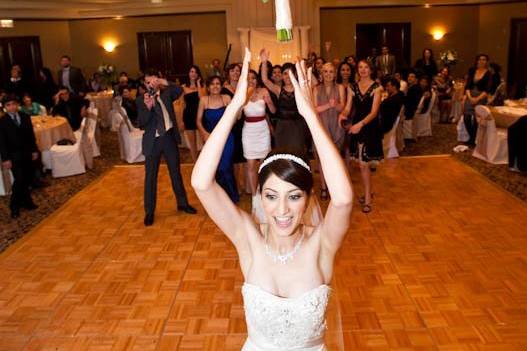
{"x": 287, "y": 266}
{"x": 256, "y": 133}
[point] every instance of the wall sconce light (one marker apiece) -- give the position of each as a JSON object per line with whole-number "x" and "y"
{"x": 438, "y": 34}
{"x": 109, "y": 46}
{"x": 6, "y": 23}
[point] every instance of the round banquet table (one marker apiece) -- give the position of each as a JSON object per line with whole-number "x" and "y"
{"x": 505, "y": 116}
{"x": 103, "y": 103}
{"x": 48, "y": 130}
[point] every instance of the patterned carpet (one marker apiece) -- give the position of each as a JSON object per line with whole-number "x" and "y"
{"x": 60, "y": 190}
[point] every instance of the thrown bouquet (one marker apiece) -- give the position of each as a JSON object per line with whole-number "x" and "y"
{"x": 284, "y": 22}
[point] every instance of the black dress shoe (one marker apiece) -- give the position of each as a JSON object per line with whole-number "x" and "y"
{"x": 30, "y": 206}
{"x": 15, "y": 213}
{"x": 187, "y": 209}
{"x": 149, "y": 220}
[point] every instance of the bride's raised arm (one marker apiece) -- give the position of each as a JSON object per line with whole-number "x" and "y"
{"x": 217, "y": 203}
{"x": 336, "y": 220}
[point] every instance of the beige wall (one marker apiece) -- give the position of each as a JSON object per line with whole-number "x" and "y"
{"x": 460, "y": 24}
{"x": 54, "y": 38}
{"x": 208, "y": 39}
{"x": 494, "y": 30}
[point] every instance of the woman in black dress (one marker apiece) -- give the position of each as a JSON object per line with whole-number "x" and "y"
{"x": 191, "y": 95}
{"x": 427, "y": 64}
{"x": 365, "y": 129}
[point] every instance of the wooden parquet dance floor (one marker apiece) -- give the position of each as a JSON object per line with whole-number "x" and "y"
{"x": 440, "y": 264}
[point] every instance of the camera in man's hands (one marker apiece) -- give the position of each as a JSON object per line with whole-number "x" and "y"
{"x": 151, "y": 91}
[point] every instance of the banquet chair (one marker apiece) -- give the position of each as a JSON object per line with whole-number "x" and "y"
{"x": 68, "y": 160}
{"x": 130, "y": 143}
{"x": 390, "y": 139}
{"x": 6, "y": 181}
{"x": 462, "y": 133}
{"x": 423, "y": 120}
{"x": 491, "y": 142}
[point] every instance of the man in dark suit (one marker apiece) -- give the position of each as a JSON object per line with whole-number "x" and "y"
{"x": 71, "y": 77}
{"x": 386, "y": 62}
{"x": 69, "y": 106}
{"x": 17, "y": 84}
{"x": 156, "y": 116}
{"x": 391, "y": 106}
{"x": 18, "y": 149}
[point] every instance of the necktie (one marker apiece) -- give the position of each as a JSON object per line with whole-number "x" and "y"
{"x": 16, "y": 119}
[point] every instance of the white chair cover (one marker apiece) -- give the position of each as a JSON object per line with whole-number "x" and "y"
{"x": 91, "y": 127}
{"x": 130, "y": 143}
{"x": 491, "y": 142}
{"x": 6, "y": 181}
{"x": 462, "y": 133}
{"x": 390, "y": 139}
{"x": 423, "y": 120}
{"x": 456, "y": 113}
{"x": 68, "y": 160}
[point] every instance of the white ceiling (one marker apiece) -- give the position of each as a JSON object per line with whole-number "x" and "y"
{"x": 72, "y": 9}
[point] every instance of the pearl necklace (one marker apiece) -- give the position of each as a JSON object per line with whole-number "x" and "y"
{"x": 276, "y": 257}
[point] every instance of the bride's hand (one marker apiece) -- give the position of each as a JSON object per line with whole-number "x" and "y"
{"x": 303, "y": 90}
{"x": 241, "y": 89}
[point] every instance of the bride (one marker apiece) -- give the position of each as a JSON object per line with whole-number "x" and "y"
{"x": 287, "y": 266}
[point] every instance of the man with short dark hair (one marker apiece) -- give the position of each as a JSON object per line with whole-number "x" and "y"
{"x": 215, "y": 69}
{"x": 391, "y": 106}
{"x": 157, "y": 117}
{"x": 16, "y": 83}
{"x": 386, "y": 62}
{"x": 18, "y": 150}
{"x": 69, "y": 106}
{"x": 71, "y": 77}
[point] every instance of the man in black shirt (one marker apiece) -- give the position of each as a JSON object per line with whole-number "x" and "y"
{"x": 391, "y": 106}
{"x": 412, "y": 97}
{"x": 69, "y": 106}
{"x": 18, "y": 149}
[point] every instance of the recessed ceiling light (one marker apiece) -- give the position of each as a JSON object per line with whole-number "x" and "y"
{"x": 156, "y": 1}
{"x": 118, "y": 17}
{"x": 427, "y": 6}
{"x": 7, "y": 23}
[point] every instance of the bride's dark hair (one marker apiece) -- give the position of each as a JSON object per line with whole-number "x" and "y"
{"x": 288, "y": 171}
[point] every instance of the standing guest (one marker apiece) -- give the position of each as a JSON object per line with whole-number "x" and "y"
{"x": 156, "y": 116}
{"x": 71, "y": 77}
{"x": 386, "y": 62}
{"x": 215, "y": 69}
{"x": 192, "y": 92}
{"x": 412, "y": 97}
{"x": 276, "y": 77}
{"x": 352, "y": 61}
{"x": 426, "y": 65}
{"x": 391, "y": 106}
{"x": 29, "y": 107}
{"x": 402, "y": 83}
{"x": 365, "y": 130}
{"x": 330, "y": 100}
{"x": 68, "y": 106}
{"x": 345, "y": 75}
{"x": 229, "y": 88}
{"x": 443, "y": 86}
{"x": 317, "y": 69}
{"x": 517, "y": 143}
{"x": 256, "y": 134}
{"x": 129, "y": 105}
{"x": 18, "y": 150}
{"x": 372, "y": 59}
{"x": 45, "y": 88}
{"x": 477, "y": 91}
{"x": 96, "y": 84}
{"x": 291, "y": 130}
{"x": 210, "y": 112}
{"x": 16, "y": 84}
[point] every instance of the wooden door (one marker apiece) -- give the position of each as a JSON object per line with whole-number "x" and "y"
{"x": 169, "y": 52}
{"x": 23, "y": 51}
{"x": 397, "y": 36}
{"x": 517, "y": 71}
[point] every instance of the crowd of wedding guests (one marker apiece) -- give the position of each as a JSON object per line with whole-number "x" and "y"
{"x": 358, "y": 100}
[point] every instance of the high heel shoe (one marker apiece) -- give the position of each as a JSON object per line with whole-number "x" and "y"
{"x": 362, "y": 199}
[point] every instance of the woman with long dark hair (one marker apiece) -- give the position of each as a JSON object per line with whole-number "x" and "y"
{"x": 443, "y": 85}
{"x": 271, "y": 253}
{"x": 477, "y": 91}
{"x": 192, "y": 92}
{"x": 426, "y": 65}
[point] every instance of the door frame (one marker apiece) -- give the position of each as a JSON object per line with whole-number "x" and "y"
{"x": 511, "y": 72}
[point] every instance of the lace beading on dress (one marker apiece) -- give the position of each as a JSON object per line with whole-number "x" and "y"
{"x": 276, "y": 323}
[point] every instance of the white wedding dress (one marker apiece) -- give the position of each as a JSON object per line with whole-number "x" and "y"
{"x": 285, "y": 324}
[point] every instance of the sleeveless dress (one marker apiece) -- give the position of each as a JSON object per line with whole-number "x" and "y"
{"x": 191, "y": 110}
{"x": 285, "y": 324}
{"x": 225, "y": 171}
{"x": 237, "y": 133}
{"x": 367, "y": 145}
{"x": 330, "y": 117}
{"x": 256, "y": 136}
{"x": 291, "y": 130}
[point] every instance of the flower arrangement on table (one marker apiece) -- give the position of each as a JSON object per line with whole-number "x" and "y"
{"x": 284, "y": 22}
{"x": 449, "y": 57}
{"x": 108, "y": 74}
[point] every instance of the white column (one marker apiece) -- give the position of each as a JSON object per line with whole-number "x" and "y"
{"x": 304, "y": 40}
{"x": 244, "y": 41}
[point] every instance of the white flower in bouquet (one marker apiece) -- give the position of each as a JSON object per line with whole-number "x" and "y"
{"x": 110, "y": 68}
{"x": 284, "y": 21}
{"x": 101, "y": 69}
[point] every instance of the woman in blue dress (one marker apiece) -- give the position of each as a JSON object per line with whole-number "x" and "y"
{"x": 210, "y": 111}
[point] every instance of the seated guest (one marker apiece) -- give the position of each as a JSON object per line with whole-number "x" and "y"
{"x": 426, "y": 89}
{"x": 391, "y": 106}
{"x": 444, "y": 87}
{"x": 128, "y": 103}
{"x": 45, "y": 88}
{"x": 518, "y": 145}
{"x": 412, "y": 97}
{"x": 16, "y": 84}
{"x": 29, "y": 107}
{"x": 69, "y": 106}
{"x": 403, "y": 84}
{"x": 498, "y": 89}
{"x": 18, "y": 149}
{"x": 96, "y": 84}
